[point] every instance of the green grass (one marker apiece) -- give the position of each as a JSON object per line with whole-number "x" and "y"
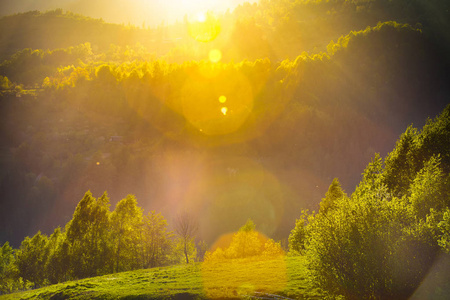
{"x": 242, "y": 278}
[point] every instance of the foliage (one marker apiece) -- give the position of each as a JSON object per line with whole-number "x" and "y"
{"x": 94, "y": 242}
{"x": 299, "y": 112}
{"x": 333, "y": 194}
{"x": 444, "y": 227}
{"x": 376, "y": 245}
{"x": 246, "y": 243}
{"x": 30, "y": 258}
{"x": 156, "y": 240}
{"x": 98, "y": 108}
{"x": 127, "y": 221}
{"x": 58, "y": 265}
{"x": 8, "y": 271}
{"x": 186, "y": 227}
{"x": 298, "y": 235}
{"x": 183, "y": 251}
{"x": 88, "y": 236}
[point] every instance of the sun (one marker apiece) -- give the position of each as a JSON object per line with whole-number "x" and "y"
{"x": 200, "y": 17}
{"x": 192, "y": 7}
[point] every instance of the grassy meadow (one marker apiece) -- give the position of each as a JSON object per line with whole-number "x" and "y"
{"x": 283, "y": 277}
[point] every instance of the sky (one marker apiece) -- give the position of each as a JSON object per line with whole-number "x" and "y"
{"x": 135, "y": 12}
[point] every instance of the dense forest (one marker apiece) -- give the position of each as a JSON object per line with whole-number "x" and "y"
{"x": 250, "y": 114}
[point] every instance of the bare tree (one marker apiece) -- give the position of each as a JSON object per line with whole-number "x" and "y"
{"x": 186, "y": 227}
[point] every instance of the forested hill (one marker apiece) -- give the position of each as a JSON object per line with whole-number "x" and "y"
{"x": 277, "y": 29}
{"x": 83, "y": 107}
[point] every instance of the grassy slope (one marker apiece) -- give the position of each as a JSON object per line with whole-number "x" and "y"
{"x": 220, "y": 280}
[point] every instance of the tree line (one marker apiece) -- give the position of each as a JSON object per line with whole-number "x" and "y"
{"x": 277, "y": 29}
{"x": 97, "y": 241}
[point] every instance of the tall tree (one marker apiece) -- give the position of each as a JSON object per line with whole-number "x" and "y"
{"x": 126, "y": 224}
{"x": 87, "y": 234}
{"x": 58, "y": 262}
{"x": 156, "y": 240}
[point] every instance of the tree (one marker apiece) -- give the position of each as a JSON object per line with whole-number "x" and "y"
{"x": 58, "y": 262}
{"x": 444, "y": 227}
{"x": 381, "y": 242}
{"x": 156, "y": 240}
{"x": 186, "y": 228}
{"x": 429, "y": 190}
{"x": 7, "y": 269}
{"x": 333, "y": 194}
{"x": 298, "y": 235}
{"x": 245, "y": 242}
{"x": 400, "y": 169}
{"x": 87, "y": 234}
{"x": 126, "y": 222}
{"x": 31, "y": 257}
{"x": 202, "y": 247}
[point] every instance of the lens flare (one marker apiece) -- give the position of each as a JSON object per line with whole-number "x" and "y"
{"x": 224, "y": 110}
{"x": 215, "y": 56}
{"x": 201, "y": 109}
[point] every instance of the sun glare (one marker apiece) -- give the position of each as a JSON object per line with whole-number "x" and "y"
{"x": 201, "y": 17}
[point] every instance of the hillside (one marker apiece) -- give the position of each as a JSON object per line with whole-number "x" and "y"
{"x": 264, "y": 115}
{"x": 246, "y": 278}
{"x": 296, "y": 137}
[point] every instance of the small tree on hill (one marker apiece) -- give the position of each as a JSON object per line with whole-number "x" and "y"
{"x": 245, "y": 242}
{"x": 186, "y": 228}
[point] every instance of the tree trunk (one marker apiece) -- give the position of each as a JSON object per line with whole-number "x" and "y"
{"x": 117, "y": 255}
{"x": 186, "y": 252}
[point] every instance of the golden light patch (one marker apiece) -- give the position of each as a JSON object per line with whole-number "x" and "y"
{"x": 222, "y": 99}
{"x": 238, "y": 278}
{"x": 215, "y": 55}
